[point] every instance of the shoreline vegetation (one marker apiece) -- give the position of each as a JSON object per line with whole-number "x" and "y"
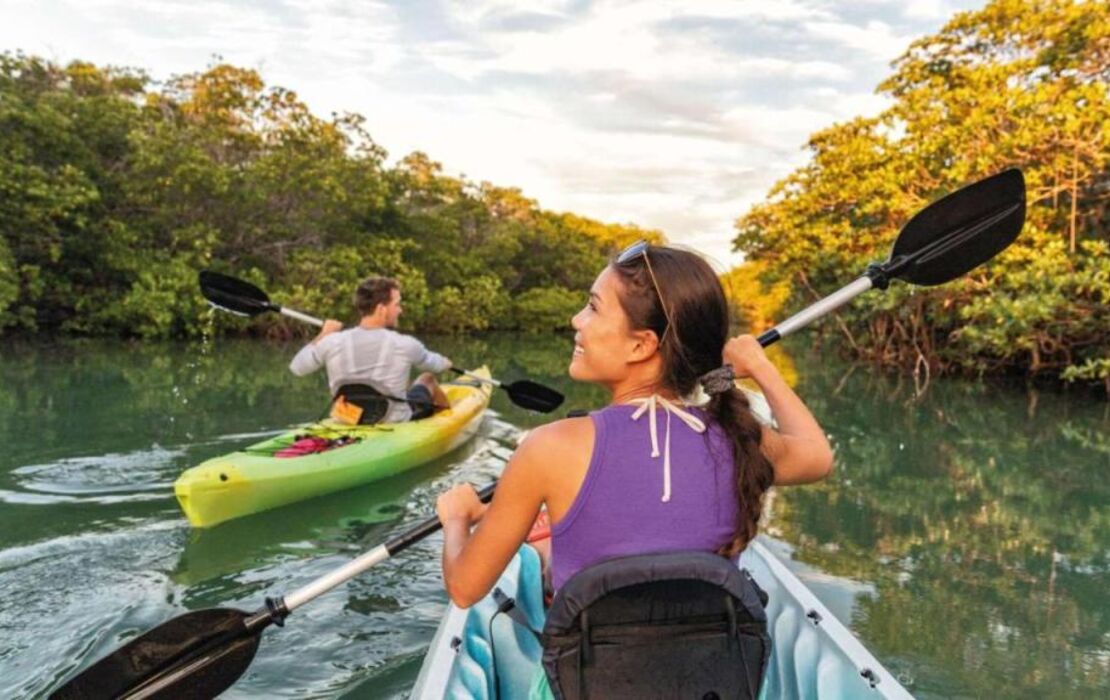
{"x": 1016, "y": 84}
{"x": 116, "y": 189}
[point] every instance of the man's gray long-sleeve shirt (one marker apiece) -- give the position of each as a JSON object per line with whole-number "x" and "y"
{"x": 380, "y": 357}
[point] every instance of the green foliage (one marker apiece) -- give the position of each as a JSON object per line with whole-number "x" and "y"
{"x": 113, "y": 194}
{"x": 545, "y": 309}
{"x": 1014, "y": 84}
{"x": 754, "y": 303}
{"x": 9, "y": 282}
{"x": 1094, "y": 369}
{"x": 479, "y": 305}
{"x": 162, "y": 301}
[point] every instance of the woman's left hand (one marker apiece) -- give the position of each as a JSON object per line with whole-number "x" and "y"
{"x": 460, "y": 502}
{"x": 746, "y": 356}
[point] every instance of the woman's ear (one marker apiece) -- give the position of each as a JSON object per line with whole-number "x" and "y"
{"x": 645, "y": 344}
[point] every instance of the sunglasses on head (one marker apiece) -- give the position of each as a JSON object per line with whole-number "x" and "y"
{"x": 631, "y": 255}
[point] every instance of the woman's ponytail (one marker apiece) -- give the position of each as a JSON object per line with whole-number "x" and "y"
{"x": 754, "y": 472}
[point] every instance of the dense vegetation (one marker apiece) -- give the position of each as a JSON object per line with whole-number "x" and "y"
{"x": 1020, "y": 84}
{"x": 115, "y": 191}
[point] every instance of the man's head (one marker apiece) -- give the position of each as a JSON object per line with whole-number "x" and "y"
{"x": 380, "y": 297}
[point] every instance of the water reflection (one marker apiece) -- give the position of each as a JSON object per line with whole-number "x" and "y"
{"x": 980, "y": 517}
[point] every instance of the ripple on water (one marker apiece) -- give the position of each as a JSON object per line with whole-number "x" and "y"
{"x": 142, "y": 475}
{"x": 98, "y": 589}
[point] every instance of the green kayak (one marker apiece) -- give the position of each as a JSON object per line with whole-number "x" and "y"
{"x": 254, "y": 479}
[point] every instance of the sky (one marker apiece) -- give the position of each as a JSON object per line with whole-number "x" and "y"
{"x": 671, "y": 115}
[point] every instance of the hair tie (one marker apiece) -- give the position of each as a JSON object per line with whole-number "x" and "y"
{"x": 718, "y": 381}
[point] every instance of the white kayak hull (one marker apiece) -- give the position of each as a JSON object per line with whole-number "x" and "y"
{"x": 813, "y": 655}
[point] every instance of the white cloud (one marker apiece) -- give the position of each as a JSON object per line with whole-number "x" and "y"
{"x": 625, "y": 37}
{"x": 875, "y": 39}
{"x": 927, "y": 9}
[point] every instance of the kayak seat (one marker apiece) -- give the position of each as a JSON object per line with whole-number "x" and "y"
{"x": 373, "y": 404}
{"x": 670, "y": 625}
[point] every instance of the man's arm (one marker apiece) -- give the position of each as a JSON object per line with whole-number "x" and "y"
{"x": 425, "y": 360}
{"x": 310, "y": 359}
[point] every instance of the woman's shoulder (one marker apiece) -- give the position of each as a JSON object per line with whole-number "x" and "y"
{"x": 564, "y": 432}
{"x": 556, "y": 454}
{"x": 558, "y": 442}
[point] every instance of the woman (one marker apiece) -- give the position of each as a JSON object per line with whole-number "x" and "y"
{"x": 648, "y": 472}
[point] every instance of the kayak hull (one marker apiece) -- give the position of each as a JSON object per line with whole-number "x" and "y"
{"x": 252, "y": 480}
{"x": 813, "y": 655}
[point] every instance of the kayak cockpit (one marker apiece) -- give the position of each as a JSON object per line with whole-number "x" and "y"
{"x": 478, "y": 653}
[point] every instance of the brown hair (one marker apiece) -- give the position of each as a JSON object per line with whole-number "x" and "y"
{"x": 374, "y": 291}
{"x": 697, "y": 305}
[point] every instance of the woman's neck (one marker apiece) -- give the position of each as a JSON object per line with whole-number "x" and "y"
{"x": 625, "y": 392}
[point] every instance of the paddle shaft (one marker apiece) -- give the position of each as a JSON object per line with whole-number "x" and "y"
{"x": 379, "y": 554}
{"x": 300, "y": 316}
{"x": 816, "y": 310}
{"x": 484, "y": 380}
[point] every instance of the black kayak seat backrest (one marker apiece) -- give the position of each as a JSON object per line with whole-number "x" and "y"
{"x": 668, "y": 625}
{"x": 373, "y": 404}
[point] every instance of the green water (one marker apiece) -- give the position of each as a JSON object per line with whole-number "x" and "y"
{"x": 964, "y": 537}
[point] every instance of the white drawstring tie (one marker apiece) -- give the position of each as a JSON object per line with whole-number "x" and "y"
{"x": 649, "y": 405}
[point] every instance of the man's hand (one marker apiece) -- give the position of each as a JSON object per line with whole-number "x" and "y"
{"x": 330, "y": 326}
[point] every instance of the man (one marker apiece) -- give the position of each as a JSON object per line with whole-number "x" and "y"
{"x": 373, "y": 353}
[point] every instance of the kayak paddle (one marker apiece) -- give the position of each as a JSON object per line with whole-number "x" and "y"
{"x": 946, "y": 239}
{"x": 243, "y": 298}
{"x": 201, "y": 653}
{"x": 524, "y": 393}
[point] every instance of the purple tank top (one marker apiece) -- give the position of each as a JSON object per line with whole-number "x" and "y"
{"x": 618, "y": 510}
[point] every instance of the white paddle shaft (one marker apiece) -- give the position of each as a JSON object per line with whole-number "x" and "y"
{"x": 827, "y": 305}
{"x": 484, "y": 380}
{"x": 301, "y": 317}
{"x": 325, "y": 583}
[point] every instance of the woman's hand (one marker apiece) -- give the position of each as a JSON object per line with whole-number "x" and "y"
{"x": 798, "y": 449}
{"x": 460, "y": 502}
{"x": 746, "y": 356}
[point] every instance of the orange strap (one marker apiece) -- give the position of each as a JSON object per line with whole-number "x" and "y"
{"x": 346, "y": 412}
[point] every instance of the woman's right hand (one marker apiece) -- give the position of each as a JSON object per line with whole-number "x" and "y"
{"x": 460, "y": 502}
{"x": 746, "y": 356}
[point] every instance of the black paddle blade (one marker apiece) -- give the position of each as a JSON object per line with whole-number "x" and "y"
{"x": 533, "y": 396}
{"x": 232, "y": 294}
{"x": 959, "y": 232}
{"x": 199, "y": 654}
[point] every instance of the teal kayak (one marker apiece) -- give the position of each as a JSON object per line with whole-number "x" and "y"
{"x": 812, "y": 654}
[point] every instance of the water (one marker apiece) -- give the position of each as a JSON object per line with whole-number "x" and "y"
{"x": 964, "y": 536}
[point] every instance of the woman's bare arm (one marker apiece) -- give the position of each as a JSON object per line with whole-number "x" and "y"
{"x": 799, "y": 450}
{"x": 473, "y": 560}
